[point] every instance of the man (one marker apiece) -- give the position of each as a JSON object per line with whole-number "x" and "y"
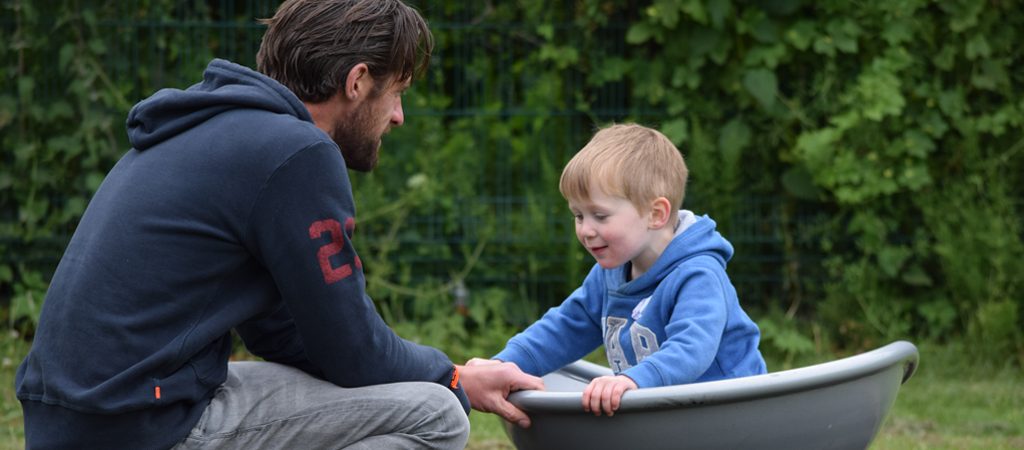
{"x": 234, "y": 211}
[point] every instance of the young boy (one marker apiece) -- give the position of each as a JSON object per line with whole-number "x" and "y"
{"x": 659, "y": 298}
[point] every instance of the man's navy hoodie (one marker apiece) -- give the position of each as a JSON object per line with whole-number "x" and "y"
{"x": 231, "y": 211}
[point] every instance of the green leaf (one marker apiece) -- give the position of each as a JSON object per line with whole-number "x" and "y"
{"x": 817, "y": 147}
{"x": 26, "y": 84}
{"x": 60, "y": 109}
{"x": 917, "y": 144}
{"x": 734, "y": 138}
{"x": 992, "y": 75}
{"x": 799, "y": 182}
{"x": 33, "y": 211}
{"x": 97, "y": 46}
{"x": 639, "y": 33}
{"x": 718, "y": 11}
{"x": 780, "y": 7}
{"x": 695, "y": 9}
{"x": 67, "y": 53}
{"x": 685, "y": 76}
{"x": 63, "y": 144}
{"x": 562, "y": 56}
{"x": 897, "y": 32}
{"x": 940, "y": 314}
{"x": 93, "y": 181}
{"x": 677, "y": 130}
{"x": 766, "y": 56}
{"x": 801, "y": 35}
{"x": 664, "y": 12}
{"x": 24, "y": 152}
{"x": 824, "y": 45}
{"x": 763, "y": 85}
{"x": 610, "y": 69}
{"x": 847, "y": 120}
{"x": 783, "y": 335}
{"x": 931, "y": 122}
{"x": 945, "y": 58}
{"x": 676, "y": 102}
{"x": 547, "y": 31}
{"x": 766, "y": 31}
{"x": 952, "y": 103}
{"x": 8, "y": 108}
{"x": 704, "y": 40}
{"x": 977, "y": 47}
{"x": 844, "y": 34}
{"x": 73, "y": 209}
{"x": 963, "y": 15}
{"x": 89, "y": 16}
{"x": 915, "y": 176}
{"x": 878, "y": 94}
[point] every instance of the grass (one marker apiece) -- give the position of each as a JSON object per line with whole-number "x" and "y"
{"x": 950, "y": 403}
{"x": 12, "y": 351}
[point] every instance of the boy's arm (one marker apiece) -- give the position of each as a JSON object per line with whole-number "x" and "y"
{"x": 564, "y": 334}
{"x": 693, "y": 332}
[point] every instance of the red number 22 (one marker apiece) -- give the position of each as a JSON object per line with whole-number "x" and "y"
{"x": 333, "y": 274}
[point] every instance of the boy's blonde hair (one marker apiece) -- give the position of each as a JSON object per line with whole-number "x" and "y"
{"x": 630, "y": 161}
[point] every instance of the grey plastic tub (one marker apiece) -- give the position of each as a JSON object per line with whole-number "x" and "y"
{"x": 834, "y": 405}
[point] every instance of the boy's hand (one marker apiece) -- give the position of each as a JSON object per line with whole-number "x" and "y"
{"x": 482, "y": 362}
{"x": 604, "y": 393}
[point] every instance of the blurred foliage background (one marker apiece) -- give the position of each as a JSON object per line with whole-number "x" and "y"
{"x": 865, "y": 158}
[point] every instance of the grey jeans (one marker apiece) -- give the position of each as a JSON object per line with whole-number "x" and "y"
{"x": 264, "y": 405}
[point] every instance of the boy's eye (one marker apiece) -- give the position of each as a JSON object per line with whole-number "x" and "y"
{"x": 600, "y": 216}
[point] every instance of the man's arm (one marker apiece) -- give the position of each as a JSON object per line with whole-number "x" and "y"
{"x": 301, "y": 229}
{"x": 273, "y": 338}
{"x": 488, "y": 385}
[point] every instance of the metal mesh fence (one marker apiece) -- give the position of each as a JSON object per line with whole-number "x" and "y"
{"x": 140, "y": 56}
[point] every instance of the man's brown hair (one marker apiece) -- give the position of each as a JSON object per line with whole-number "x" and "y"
{"x": 311, "y": 45}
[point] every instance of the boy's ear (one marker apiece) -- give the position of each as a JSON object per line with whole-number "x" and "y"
{"x": 661, "y": 213}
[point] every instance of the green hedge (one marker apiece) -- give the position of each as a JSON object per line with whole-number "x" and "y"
{"x": 864, "y": 157}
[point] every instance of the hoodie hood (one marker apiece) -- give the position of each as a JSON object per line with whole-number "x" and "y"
{"x": 696, "y": 236}
{"x": 225, "y": 86}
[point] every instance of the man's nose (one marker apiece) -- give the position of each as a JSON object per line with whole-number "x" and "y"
{"x": 397, "y": 115}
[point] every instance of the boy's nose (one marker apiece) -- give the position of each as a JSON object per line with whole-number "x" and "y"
{"x": 586, "y": 230}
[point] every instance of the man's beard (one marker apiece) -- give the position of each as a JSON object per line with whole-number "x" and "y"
{"x": 355, "y": 136}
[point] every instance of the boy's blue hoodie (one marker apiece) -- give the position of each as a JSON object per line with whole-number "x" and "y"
{"x": 680, "y": 322}
{"x": 231, "y": 211}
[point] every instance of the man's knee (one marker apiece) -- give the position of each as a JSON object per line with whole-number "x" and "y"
{"x": 452, "y": 418}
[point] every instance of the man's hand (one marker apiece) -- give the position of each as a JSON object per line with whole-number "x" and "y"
{"x": 604, "y": 393}
{"x": 488, "y": 383}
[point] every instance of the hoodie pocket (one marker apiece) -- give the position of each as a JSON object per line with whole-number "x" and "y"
{"x": 211, "y": 363}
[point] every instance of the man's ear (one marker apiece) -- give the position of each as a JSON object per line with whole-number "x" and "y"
{"x": 358, "y": 83}
{"x": 661, "y": 213}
